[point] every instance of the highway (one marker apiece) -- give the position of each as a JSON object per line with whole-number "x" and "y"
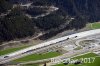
{"x": 72, "y": 53}
{"x": 34, "y": 49}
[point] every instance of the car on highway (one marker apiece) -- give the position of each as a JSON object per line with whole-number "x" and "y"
{"x": 6, "y": 56}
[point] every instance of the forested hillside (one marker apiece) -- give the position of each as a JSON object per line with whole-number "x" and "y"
{"x": 15, "y": 24}
{"x": 72, "y": 14}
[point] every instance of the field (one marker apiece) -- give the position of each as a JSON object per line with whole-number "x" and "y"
{"x": 6, "y": 51}
{"x": 34, "y": 57}
{"x": 95, "y": 25}
{"x": 95, "y": 63}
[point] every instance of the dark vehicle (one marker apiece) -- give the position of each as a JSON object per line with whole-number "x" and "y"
{"x": 6, "y": 56}
{"x": 67, "y": 38}
{"x": 76, "y": 36}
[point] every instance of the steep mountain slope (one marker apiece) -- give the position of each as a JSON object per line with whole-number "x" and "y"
{"x": 88, "y": 8}
{"x": 72, "y": 14}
